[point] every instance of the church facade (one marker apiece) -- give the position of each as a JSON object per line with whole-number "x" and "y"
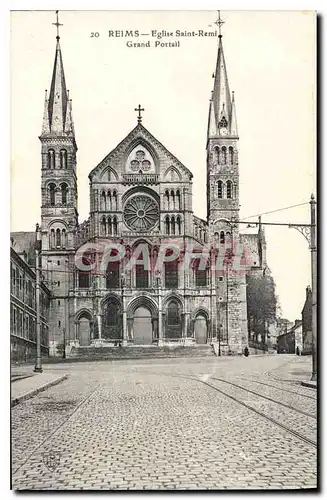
{"x": 103, "y": 273}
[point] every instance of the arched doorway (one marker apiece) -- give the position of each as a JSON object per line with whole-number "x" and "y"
{"x": 84, "y": 330}
{"x": 200, "y": 329}
{"x": 142, "y": 326}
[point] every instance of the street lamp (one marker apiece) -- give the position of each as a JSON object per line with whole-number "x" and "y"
{"x": 38, "y": 363}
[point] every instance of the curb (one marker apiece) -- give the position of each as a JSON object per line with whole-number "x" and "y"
{"x": 34, "y": 392}
{"x": 312, "y": 385}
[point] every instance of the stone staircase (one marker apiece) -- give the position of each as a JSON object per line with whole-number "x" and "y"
{"x": 91, "y": 353}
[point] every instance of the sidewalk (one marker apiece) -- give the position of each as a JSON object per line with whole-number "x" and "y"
{"x": 299, "y": 370}
{"x": 26, "y": 388}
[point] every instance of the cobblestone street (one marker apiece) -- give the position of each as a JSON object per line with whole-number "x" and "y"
{"x": 207, "y": 423}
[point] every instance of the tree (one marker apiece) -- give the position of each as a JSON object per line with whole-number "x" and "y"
{"x": 261, "y": 303}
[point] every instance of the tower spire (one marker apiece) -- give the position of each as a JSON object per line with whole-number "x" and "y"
{"x": 57, "y": 104}
{"x": 224, "y": 108}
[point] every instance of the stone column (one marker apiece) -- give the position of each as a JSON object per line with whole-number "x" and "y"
{"x": 130, "y": 328}
{"x": 160, "y": 325}
{"x": 99, "y": 326}
{"x": 125, "y": 336}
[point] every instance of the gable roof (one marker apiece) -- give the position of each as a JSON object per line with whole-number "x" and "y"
{"x": 142, "y": 132}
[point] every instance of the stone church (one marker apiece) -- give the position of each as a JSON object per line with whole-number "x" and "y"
{"x": 140, "y": 193}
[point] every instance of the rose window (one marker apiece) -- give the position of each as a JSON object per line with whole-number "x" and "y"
{"x": 141, "y": 213}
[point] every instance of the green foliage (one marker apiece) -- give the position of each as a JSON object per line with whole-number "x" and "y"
{"x": 261, "y": 303}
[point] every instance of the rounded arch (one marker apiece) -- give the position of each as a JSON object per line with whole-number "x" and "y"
{"x": 142, "y": 301}
{"x": 56, "y": 222}
{"x": 140, "y": 190}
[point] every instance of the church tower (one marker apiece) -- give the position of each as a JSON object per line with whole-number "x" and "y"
{"x": 223, "y": 210}
{"x": 59, "y": 217}
{"x": 222, "y": 154}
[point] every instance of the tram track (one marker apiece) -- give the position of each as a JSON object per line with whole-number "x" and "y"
{"x": 250, "y": 407}
{"x": 285, "y": 405}
{"x": 279, "y": 388}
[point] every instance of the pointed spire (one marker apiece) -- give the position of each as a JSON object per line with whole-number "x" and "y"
{"x": 69, "y": 124}
{"x": 58, "y": 95}
{"x": 212, "y": 126}
{"x": 233, "y": 124}
{"x": 221, "y": 93}
{"x": 45, "y": 123}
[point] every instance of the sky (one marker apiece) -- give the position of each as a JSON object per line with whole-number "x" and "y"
{"x": 270, "y": 57}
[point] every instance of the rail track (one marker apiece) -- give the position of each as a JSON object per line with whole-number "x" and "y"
{"x": 262, "y": 414}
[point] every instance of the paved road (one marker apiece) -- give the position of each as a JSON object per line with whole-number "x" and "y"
{"x": 163, "y": 425}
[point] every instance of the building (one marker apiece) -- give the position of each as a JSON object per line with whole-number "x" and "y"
{"x": 307, "y": 322}
{"x": 22, "y": 301}
{"x": 291, "y": 341}
{"x": 141, "y": 197}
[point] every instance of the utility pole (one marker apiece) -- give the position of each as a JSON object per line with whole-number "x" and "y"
{"x": 313, "y": 249}
{"x": 38, "y": 363}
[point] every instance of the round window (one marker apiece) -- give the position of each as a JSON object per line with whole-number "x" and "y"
{"x": 141, "y": 213}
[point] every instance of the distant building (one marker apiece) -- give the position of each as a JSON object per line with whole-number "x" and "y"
{"x": 291, "y": 340}
{"x": 307, "y": 322}
{"x": 23, "y": 303}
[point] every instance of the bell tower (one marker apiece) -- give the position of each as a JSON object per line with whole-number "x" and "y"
{"x": 59, "y": 216}
{"x": 222, "y": 148}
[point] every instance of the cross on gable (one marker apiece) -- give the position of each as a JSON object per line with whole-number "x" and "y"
{"x": 139, "y": 109}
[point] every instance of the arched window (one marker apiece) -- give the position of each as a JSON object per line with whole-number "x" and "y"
{"x": 178, "y": 200}
{"x": 229, "y": 189}
{"x": 222, "y": 237}
{"x": 112, "y": 272}
{"x": 167, "y": 199}
{"x": 217, "y": 154}
{"x": 114, "y": 226}
{"x": 223, "y": 155}
{"x": 173, "y": 314}
{"x": 112, "y": 316}
{"x": 109, "y": 201}
{"x": 231, "y": 155}
{"x": 103, "y": 226}
{"x": 220, "y": 189}
{"x": 109, "y": 226}
{"x": 228, "y": 237}
{"x": 171, "y": 271}
{"x": 84, "y": 275}
{"x": 200, "y": 273}
{"x": 52, "y": 194}
{"x": 51, "y": 159}
{"x": 64, "y": 238}
{"x": 58, "y": 238}
{"x": 172, "y": 200}
{"x": 52, "y": 238}
{"x": 141, "y": 271}
{"x": 172, "y": 226}
{"x": 167, "y": 225}
{"x": 114, "y": 200}
{"x": 103, "y": 200}
{"x": 179, "y": 225}
{"x": 64, "y": 191}
{"x": 63, "y": 158}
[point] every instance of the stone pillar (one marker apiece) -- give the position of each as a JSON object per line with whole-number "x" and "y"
{"x": 130, "y": 328}
{"x": 75, "y": 330}
{"x": 99, "y": 326}
{"x": 160, "y": 325}
{"x": 125, "y": 336}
